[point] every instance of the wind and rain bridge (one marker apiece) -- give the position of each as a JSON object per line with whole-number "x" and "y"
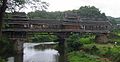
{"x": 19, "y": 27}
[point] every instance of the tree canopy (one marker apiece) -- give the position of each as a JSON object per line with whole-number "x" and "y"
{"x": 46, "y": 15}
{"x": 16, "y": 5}
{"x": 89, "y": 12}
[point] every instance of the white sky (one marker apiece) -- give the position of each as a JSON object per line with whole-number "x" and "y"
{"x": 109, "y": 7}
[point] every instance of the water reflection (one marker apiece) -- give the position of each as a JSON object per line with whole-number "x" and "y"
{"x": 37, "y": 55}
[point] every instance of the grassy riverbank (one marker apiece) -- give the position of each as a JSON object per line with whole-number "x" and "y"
{"x": 90, "y": 51}
{"x": 96, "y": 53}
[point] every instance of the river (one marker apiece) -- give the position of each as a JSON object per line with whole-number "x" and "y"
{"x": 32, "y": 54}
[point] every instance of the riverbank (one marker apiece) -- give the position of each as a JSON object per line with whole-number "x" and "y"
{"x": 96, "y": 53}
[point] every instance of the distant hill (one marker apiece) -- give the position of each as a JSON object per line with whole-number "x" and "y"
{"x": 114, "y": 20}
{"x": 117, "y": 20}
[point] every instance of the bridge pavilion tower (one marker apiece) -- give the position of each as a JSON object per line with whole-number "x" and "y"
{"x": 62, "y": 36}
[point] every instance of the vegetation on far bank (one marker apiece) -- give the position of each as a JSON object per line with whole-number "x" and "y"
{"x": 93, "y": 52}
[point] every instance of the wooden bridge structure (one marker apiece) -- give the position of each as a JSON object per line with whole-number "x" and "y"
{"x": 19, "y": 26}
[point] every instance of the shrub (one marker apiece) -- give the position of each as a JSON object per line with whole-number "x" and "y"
{"x": 73, "y": 43}
{"x": 86, "y": 40}
{"x": 82, "y": 57}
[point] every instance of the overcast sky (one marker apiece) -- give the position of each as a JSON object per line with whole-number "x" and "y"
{"x": 109, "y": 7}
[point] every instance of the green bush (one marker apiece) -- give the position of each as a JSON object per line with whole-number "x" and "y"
{"x": 86, "y": 40}
{"x": 73, "y": 43}
{"x": 91, "y": 49}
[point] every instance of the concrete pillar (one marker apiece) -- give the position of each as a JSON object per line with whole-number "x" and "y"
{"x": 18, "y": 48}
{"x": 62, "y": 46}
{"x": 101, "y": 38}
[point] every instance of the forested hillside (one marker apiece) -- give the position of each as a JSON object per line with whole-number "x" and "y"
{"x": 117, "y": 20}
{"x": 89, "y": 12}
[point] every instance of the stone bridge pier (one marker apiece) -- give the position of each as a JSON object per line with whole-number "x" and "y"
{"x": 18, "y": 49}
{"x": 62, "y": 46}
{"x": 101, "y": 38}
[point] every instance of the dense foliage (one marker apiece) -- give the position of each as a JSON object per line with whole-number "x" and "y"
{"x": 92, "y": 52}
{"x": 73, "y": 43}
{"x": 46, "y": 15}
{"x": 6, "y": 47}
{"x": 91, "y": 12}
{"x": 44, "y": 38}
{"x": 84, "y": 12}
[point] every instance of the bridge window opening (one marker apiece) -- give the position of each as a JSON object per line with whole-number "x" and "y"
{"x": 17, "y": 26}
{"x": 87, "y": 27}
{"x": 25, "y": 26}
{"x": 102, "y": 27}
{"x": 53, "y": 26}
{"x": 106, "y": 27}
{"x": 84, "y": 27}
{"x": 31, "y": 26}
{"x": 99, "y": 28}
{"x": 39, "y": 26}
{"x": 50, "y": 27}
{"x": 81, "y": 26}
{"x": 56, "y": 26}
{"x": 93, "y": 27}
{"x": 45, "y": 26}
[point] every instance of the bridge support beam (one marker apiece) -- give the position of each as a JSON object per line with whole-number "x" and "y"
{"x": 101, "y": 38}
{"x": 62, "y": 46}
{"x": 18, "y": 48}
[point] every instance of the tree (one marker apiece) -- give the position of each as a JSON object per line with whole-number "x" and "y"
{"x": 16, "y": 5}
{"x": 3, "y": 7}
{"x": 73, "y": 43}
{"x": 38, "y": 14}
{"x": 46, "y": 15}
{"x": 91, "y": 12}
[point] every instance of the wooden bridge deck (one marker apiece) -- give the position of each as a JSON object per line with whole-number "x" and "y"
{"x": 55, "y": 30}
